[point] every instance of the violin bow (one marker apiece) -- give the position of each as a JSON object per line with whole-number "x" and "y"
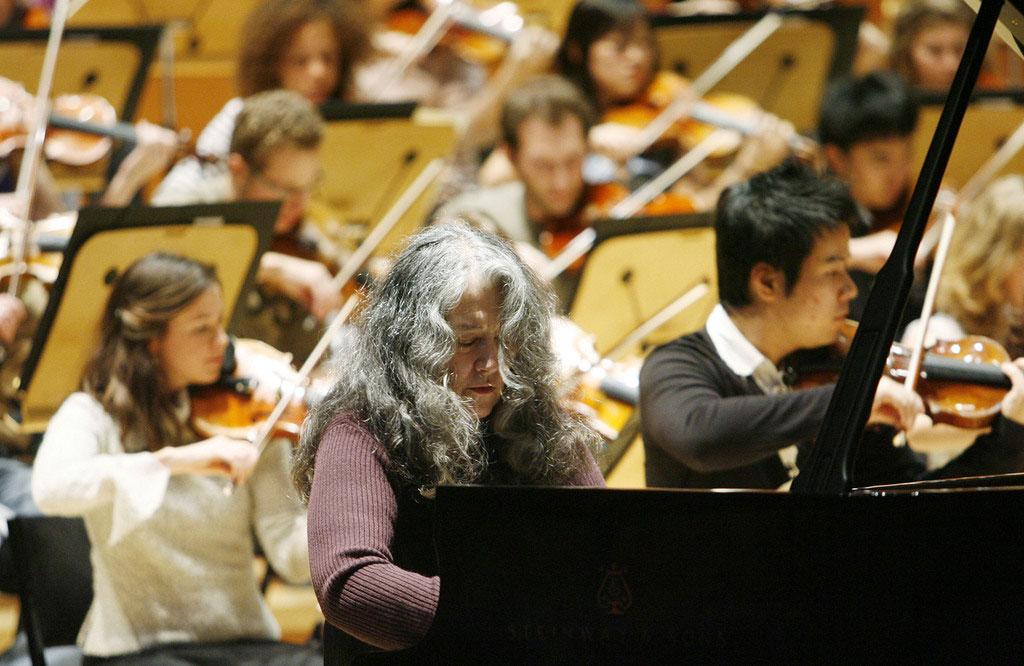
{"x": 917, "y": 351}
{"x": 497, "y": 21}
{"x": 584, "y": 241}
{"x": 33, "y": 151}
{"x": 733, "y": 55}
{"x": 426, "y": 38}
{"x": 346, "y": 273}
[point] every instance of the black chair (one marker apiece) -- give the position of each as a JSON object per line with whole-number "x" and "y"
{"x": 51, "y": 560}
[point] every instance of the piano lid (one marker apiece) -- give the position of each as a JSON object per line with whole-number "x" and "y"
{"x": 573, "y": 575}
{"x": 986, "y": 482}
{"x": 827, "y": 470}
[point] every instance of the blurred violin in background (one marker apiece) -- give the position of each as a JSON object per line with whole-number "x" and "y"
{"x": 664, "y": 123}
{"x": 80, "y": 127}
{"x": 476, "y": 35}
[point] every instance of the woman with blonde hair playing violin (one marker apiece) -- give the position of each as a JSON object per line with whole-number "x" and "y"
{"x": 171, "y": 551}
{"x": 982, "y": 288}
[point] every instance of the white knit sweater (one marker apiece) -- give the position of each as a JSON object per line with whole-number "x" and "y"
{"x": 171, "y": 555}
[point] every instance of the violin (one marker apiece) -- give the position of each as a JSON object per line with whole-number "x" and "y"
{"x": 47, "y": 239}
{"x": 608, "y": 394}
{"x": 231, "y": 410}
{"x": 556, "y": 234}
{"x": 80, "y": 130}
{"x": 715, "y": 111}
{"x": 607, "y": 195}
{"x": 600, "y": 201}
{"x": 605, "y": 392}
{"x": 960, "y": 381}
{"x": 306, "y": 242}
{"x": 479, "y": 36}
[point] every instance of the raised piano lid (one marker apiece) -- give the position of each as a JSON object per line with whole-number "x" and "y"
{"x": 1006, "y": 482}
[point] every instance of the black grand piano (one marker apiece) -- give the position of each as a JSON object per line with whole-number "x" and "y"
{"x": 930, "y": 571}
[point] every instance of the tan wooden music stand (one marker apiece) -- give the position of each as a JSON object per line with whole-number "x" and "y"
{"x": 368, "y": 163}
{"x": 104, "y": 243}
{"x": 196, "y": 76}
{"x": 550, "y": 14}
{"x": 112, "y": 63}
{"x": 787, "y": 75}
{"x": 639, "y": 267}
{"x": 209, "y": 28}
{"x": 987, "y": 124}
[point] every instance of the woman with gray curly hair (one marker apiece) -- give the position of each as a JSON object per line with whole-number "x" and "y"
{"x": 451, "y": 380}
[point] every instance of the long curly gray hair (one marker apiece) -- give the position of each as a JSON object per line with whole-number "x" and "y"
{"x": 394, "y": 378}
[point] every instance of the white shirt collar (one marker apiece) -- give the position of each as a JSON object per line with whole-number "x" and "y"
{"x": 739, "y": 354}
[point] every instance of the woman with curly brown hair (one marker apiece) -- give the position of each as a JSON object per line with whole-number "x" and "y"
{"x": 306, "y": 46}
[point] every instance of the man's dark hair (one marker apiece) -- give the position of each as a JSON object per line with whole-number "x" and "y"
{"x": 879, "y": 105}
{"x": 775, "y": 218}
{"x": 550, "y": 98}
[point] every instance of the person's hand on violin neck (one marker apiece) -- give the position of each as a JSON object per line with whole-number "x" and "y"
{"x": 531, "y": 52}
{"x": 306, "y": 282}
{"x": 896, "y": 405}
{"x": 268, "y": 372}
{"x": 765, "y": 148}
{"x": 616, "y": 141}
{"x": 18, "y": 102}
{"x": 219, "y": 455}
{"x": 1013, "y": 404}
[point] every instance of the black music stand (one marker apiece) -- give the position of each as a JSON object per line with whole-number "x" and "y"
{"x": 787, "y": 75}
{"x": 988, "y": 122}
{"x": 371, "y": 153}
{"x": 637, "y": 267}
{"x": 110, "y": 62}
{"x": 105, "y": 242}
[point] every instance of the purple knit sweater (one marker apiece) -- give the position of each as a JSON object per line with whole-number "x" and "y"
{"x": 353, "y": 510}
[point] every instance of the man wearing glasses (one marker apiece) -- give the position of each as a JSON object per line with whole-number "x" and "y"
{"x": 274, "y": 156}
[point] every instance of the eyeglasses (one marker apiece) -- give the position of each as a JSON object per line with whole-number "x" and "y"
{"x": 283, "y": 191}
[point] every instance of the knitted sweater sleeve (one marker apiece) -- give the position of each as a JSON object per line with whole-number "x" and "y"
{"x": 352, "y": 513}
